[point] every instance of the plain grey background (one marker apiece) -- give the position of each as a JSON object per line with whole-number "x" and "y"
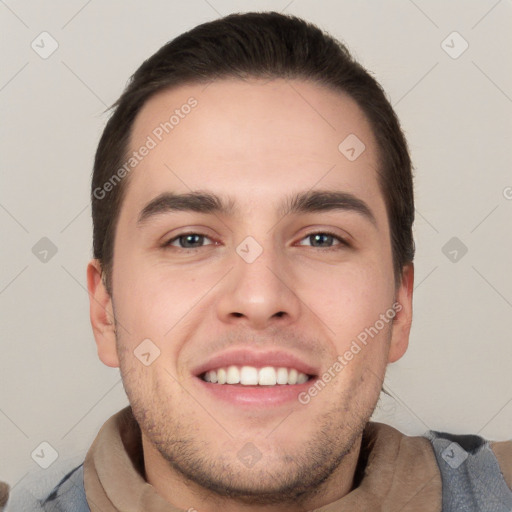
{"x": 446, "y": 69}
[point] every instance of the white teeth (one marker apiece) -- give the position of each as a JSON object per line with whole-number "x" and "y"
{"x": 282, "y": 376}
{"x": 233, "y": 375}
{"x": 251, "y": 376}
{"x": 221, "y": 376}
{"x": 267, "y": 376}
{"x": 301, "y": 378}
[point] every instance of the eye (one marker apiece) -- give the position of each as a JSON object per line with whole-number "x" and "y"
{"x": 187, "y": 241}
{"x": 318, "y": 240}
{"x": 325, "y": 240}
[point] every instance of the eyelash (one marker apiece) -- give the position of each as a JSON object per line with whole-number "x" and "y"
{"x": 342, "y": 242}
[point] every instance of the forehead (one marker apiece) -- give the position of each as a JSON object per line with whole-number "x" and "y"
{"x": 252, "y": 141}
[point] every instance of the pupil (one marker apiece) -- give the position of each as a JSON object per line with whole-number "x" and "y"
{"x": 190, "y": 238}
{"x": 320, "y": 236}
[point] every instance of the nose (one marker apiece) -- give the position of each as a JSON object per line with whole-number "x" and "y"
{"x": 260, "y": 293}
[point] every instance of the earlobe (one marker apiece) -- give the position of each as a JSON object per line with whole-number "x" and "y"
{"x": 101, "y": 315}
{"x": 403, "y": 319}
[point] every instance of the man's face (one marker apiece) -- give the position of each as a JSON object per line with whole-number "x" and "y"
{"x": 254, "y": 286}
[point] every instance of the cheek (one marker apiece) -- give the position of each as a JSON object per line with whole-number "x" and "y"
{"x": 349, "y": 300}
{"x": 359, "y": 339}
{"x": 157, "y": 302}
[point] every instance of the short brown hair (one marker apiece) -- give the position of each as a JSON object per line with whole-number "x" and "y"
{"x": 258, "y": 45}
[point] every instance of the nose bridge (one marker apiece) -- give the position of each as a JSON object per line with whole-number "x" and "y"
{"x": 259, "y": 265}
{"x": 258, "y": 290}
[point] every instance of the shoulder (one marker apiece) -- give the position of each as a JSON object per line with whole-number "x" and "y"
{"x": 470, "y": 472}
{"x": 40, "y": 489}
{"x": 455, "y": 449}
{"x": 476, "y": 473}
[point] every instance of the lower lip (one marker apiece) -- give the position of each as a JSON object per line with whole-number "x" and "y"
{"x": 254, "y": 396}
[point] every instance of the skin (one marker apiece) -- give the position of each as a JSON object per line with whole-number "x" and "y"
{"x": 257, "y": 142}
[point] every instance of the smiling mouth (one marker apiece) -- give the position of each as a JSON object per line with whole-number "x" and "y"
{"x": 252, "y": 376}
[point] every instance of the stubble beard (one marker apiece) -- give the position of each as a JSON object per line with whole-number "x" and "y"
{"x": 294, "y": 478}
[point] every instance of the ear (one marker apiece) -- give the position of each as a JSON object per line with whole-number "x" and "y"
{"x": 102, "y": 315}
{"x": 403, "y": 319}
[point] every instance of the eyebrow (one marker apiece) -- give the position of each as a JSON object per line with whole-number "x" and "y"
{"x": 299, "y": 203}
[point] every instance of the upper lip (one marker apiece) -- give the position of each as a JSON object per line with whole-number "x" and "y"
{"x": 259, "y": 359}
